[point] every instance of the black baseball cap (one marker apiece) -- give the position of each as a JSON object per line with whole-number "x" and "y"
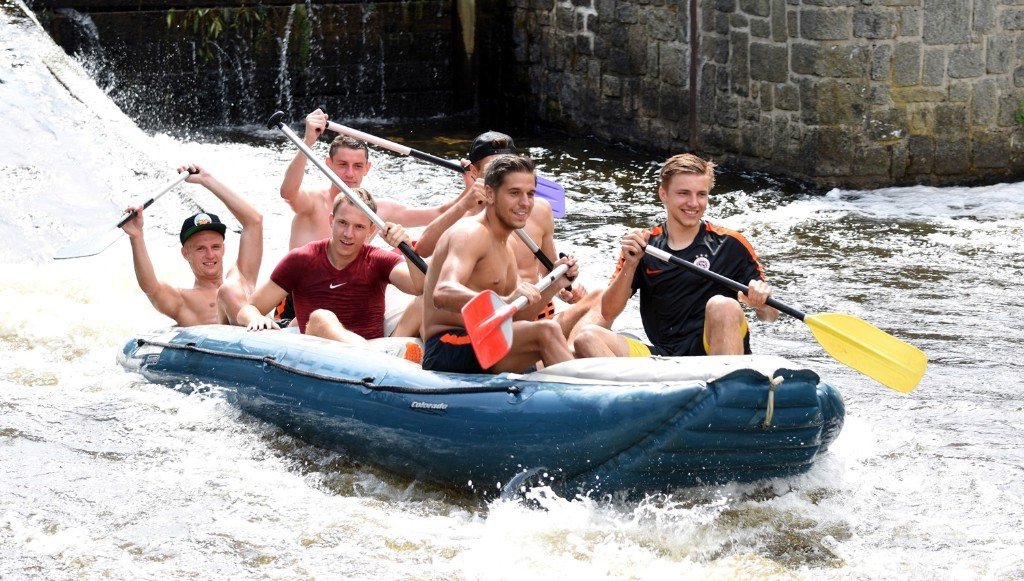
{"x": 490, "y": 143}
{"x": 198, "y": 223}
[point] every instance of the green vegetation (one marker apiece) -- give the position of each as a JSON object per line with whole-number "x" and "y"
{"x": 209, "y": 23}
{"x": 1018, "y": 115}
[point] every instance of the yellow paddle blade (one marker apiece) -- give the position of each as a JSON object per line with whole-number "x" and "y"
{"x": 870, "y": 350}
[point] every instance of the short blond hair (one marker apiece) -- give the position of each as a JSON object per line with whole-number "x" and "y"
{"x": 687, "y": 163}
{"x": 364, "y": 195}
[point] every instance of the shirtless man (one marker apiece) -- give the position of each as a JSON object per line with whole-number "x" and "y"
{"x": 350, "y": 160}
{"x": 473, "y": 256}
{"x": 214, "y": 297}
{"x": 338, "y": 283}
{"x": 540, "y": 227}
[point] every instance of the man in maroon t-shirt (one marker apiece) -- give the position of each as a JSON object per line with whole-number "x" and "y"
{"x": 338, "y": 283}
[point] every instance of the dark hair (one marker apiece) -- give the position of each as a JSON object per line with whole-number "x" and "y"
{"x": 505, "y": 164}
{"x": 348, "y": 143}
{"x": 364, "y": 195}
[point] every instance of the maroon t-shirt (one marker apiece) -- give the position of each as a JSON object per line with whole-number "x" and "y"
{"x": 355, "y": 293}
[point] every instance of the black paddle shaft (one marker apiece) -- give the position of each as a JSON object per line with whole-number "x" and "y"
{"x": 728, "y": 282}
{"x": 277, "y": 120}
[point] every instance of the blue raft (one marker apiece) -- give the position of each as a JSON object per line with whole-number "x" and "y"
{"x": 592, "y": 426}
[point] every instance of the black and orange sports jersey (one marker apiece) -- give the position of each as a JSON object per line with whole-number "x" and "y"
{"x": 672, "y": 298}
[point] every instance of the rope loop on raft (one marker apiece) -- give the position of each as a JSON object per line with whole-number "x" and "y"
{"x": 773, "y": 382}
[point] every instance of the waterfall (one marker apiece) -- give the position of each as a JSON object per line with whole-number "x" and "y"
{"x": 284, "y": 84}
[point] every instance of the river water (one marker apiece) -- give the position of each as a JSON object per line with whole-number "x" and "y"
{"x": 105, "y": 475}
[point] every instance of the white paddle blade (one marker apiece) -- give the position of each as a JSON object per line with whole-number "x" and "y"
{"x": 90, "y": 246}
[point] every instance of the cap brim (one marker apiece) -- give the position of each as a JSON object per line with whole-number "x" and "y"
{"x": 218, "y": 228}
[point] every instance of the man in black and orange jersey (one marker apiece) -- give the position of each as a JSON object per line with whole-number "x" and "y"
{"x": 683, "y": 313}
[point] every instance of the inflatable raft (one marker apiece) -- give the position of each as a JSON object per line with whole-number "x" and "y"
{"x": 588, "y": 426}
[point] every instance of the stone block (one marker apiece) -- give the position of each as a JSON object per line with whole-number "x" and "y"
{"x": 934, "y": 71}
{"x": 787, "y": 97}
{"x": 910, "y": 22}
{"x": 769, "y": 62}
{"x": 649, "y": 93}
{"x": 990, "y": 150}
{"x": 870, "y": 160}
{"x": 906, "y": 64}
{"x": 1008, "y": 108}
{"x": 660, "y": 28}
{"x": 792, "y": 24}
{"x": 727, "y": 112}
{"x": 998, "y": 54}
{"x": 626, "y": 13}
{"x": 888, "y": 124}
{"x": 738, "y": 21}
{"x": 778, "y": 21}
{"x": 845, "y": 61}
{"x": 652, "y": 59}
{"x": 951, "y": 119}
{"x": 611, "y": 86}
{"x": 739, "y": 69}
{"x": 840, "y": 102}
{"x": 756, "y": 7}
{"x": 959, "y": 92}
{"x": 985, "y": 102}
{"x": 918, "y": 95}
{"x": 817, "y": 24}
{"x": 672, "y": 102}
{"x": 871, "y": 23}
{"x": 920, "y": 119}
{"x": 1013, "y": 19}
{"x": 827, "y": 151}
{"x": 1018, "y": 77}
{"x": 881, "y": 62}
{"x": 618, "y": 62}
{"x": 804, "y": 58}
{"x": 947, "y": 21}
{"x": 828, "y": 3}
{"x": 966, "y": 62}
{"x": 760, "y": 28}
{"x": 900, "y": 156}
{"x": 985, "y": 16}
{"x": 767, "y": 97}
{"x": 672, "y": 63}
{"x": 726, "y": 6}
{"x": 720, "y": 49}
{"x": 722, "y": 23}
{"x": 921, "y": 155}
{"x": 952, "y": 156}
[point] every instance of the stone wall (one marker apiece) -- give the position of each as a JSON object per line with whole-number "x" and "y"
{"x": 370, "y": 59}
{"x": 839, "y": 92}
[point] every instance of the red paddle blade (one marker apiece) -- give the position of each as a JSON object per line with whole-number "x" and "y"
{"x": 488, "y": 322}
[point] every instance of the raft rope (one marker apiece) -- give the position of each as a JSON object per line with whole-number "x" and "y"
{"x": 773, "y": 382}
{"x": 366, "y": 382}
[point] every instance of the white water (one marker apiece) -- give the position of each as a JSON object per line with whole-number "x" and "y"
{"x": 104, "y": 475}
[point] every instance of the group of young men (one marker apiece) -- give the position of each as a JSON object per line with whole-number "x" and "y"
{"x": 335, "y": 280}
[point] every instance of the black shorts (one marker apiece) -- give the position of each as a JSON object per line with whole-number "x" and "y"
{"x": 451, "y": 351}
{"x": 285, "y": 310}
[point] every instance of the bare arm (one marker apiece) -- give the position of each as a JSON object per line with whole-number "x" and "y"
{"x": 471, "y": 200}
{"x": 166, "y": 299}
{"x": 407, "y": 277}
{"x": 621, "y": 288}
{"x": 465, "y": 250}
{"x": 266, "y": 297}
{"x": 291, "y": 190}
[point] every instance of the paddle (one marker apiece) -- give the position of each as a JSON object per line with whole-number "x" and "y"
{"x": 547, "y": 189}
{"x": 543, "y": 258}
{"x": 851, "y": 341}
{"x": 93, "y": 245}
{"x": 277, "y": 120}
{"x": 487, "y": 320}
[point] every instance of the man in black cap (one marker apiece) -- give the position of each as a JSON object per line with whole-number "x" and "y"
{"x": 214, "y": 297}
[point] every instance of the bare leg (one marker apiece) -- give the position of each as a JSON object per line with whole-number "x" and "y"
{"x": 570, "y": 318}
{"x": 723, "y": 321}
{"x": 324, "y": 323}
{"x": 597, "y": 341}
{"x": 534, "y": 340}
{"x": 412, "y": 318}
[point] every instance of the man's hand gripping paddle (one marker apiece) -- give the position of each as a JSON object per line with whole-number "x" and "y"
{"x": 277, "y": 120}
{"x": 547, "y": 189}
{"x": 488, "y": 321}
{"x": 851, "y": 341}
{"x": 95, "y": 244}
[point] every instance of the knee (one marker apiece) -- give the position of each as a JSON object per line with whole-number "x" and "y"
{"x": 723, "y": 310}
{"x": 586, "y": 340}
{"x": 319, "y": 320}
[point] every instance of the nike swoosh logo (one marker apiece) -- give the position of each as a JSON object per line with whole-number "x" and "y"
{"x": 333, "y": 286}
{"x": 652, "y": 272}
